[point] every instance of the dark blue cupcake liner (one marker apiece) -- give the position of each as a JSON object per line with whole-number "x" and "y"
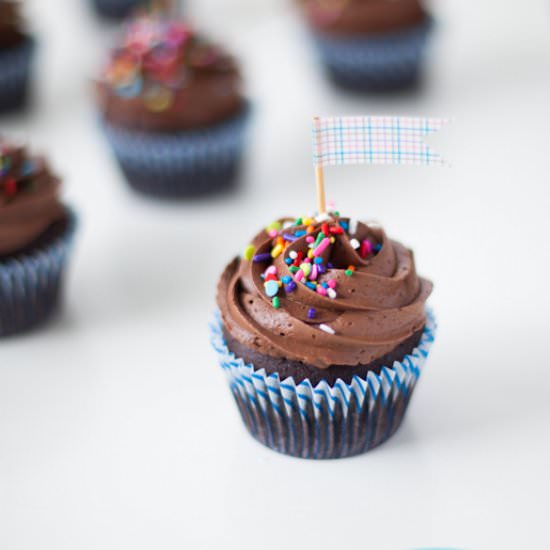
{"x": 117, "y": 9}
{"x": 30, "y": 283}
{"x": 385, "y": 62}
{"x": 15, "y": 72}
{"x": 182, "y": 164}
{"x": 323, "y": 421}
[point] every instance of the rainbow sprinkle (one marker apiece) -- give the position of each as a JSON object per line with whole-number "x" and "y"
{"x": 307, "y": 268}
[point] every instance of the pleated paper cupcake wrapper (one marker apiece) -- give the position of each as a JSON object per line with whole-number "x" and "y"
{"x": 387, "y": 62}
{"x": 30, "y": 284}
{"x": 15, "y": 72}
{"x": 117, "y": 9}
{"x": 182, "y": 164}
{"x": 323, "y": 421}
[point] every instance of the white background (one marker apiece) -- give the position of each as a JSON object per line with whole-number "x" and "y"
{"x": 116, "y": 426}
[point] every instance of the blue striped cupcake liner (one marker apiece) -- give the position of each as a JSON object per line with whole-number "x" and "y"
{"x": 194, "y": 162}
{"x": 15, "y": 72}
{"x": 117, "y": 9}
{"x": 323, "y": 421}
{"x": 390, "y": 61}
{"x": 30, "y": 284}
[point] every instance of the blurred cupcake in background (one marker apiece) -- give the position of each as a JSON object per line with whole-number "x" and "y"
{"x": 370, "y": 44}
{"x": 16, "y": 54}
{"x": 172, "y": 109}
{"x": 36, "y": 232}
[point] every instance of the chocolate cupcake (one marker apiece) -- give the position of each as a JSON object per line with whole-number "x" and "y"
{"x": 172, "y": 109}
{"x": 16, "y": 54}
{"x": 323, "y": 331}
{"x": 36, "y": 231}
{"x": 370, "y": 44}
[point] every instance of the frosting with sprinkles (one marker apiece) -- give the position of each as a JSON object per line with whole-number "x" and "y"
{"x": 328, "y": 291}
{"x": 29, "y": 198}
{"x": 162, "y": 66}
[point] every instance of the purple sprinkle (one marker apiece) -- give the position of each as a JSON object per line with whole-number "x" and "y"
{"x": 321, "y": 268}
{"x": 291, "y": 287}
{"x": 289, "y": 237}
{"x": 311, "y": 313}
{"x": 330, "y": 266}
{"x": 259, "y": 258}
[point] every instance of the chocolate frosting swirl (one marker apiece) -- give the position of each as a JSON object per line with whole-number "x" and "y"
{"x": 357, "y": 17}
{"x": 29, "y": 201}
{"x": 11, "y": 33}
{"x": 378, "y": 299}
{"x": 166, "y": 78}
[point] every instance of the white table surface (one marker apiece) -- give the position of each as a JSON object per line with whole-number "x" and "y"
{"x": 117, "y": 429}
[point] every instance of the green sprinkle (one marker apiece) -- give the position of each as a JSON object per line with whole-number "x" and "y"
{"x": 276, "y": 302}
{"x": 298, "y": 221}
{"x": 336, "y": 213}
{"x": 320, "y": 237}
{"x": 294, "y": 269}
{"x": 349, "y": 272}
{"x": 249, "y": 252}
{"x": 274, "y": 225}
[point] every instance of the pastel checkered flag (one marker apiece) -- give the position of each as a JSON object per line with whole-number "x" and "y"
{"x": 371, "y": 140}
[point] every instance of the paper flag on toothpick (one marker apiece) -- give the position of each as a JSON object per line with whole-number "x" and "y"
{"x": 374, "y": 140}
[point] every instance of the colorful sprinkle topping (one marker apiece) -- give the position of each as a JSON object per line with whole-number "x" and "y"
{"x": 17, "y": 172}
{"x": 302, "y": 251}
{"x": 157, "y": 56}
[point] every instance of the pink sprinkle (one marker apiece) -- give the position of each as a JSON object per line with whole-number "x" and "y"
{"x": 321, "y": 247}
{"x": 310, "y": 239}
{"x": 331, "y": 283}
{"x": 306, "y": 260}
{"x": 314, "y": 273}
{"x": 272, "y": 233}
{"x": 299, "y": 275}
{"x": 271, "y": 269}
{"x": 366, "y": 248}
{"x": 321, "y": 290}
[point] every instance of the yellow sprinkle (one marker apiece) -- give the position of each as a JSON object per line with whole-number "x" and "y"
{"x": 159, "y": 99}
{"x": 249, "y": 252}
{"x": 276, "y": 250}
{"x": 310, "y": 253}
{"x": 332, "y": 240}
{"x": 306, "y": 268}
{"x": 307, "y": 221}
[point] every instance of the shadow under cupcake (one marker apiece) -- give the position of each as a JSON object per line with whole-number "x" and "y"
{"x": 370, "y": 45}
{"x": 36, "y": 233}
{"x": 172, "y": 110}
{"x": 323, "y": 332}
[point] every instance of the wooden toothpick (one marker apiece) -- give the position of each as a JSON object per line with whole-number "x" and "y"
{"x": 320, "y": 180}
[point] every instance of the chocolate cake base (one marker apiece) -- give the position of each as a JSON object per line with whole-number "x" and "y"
{"x": 301, "y": 371}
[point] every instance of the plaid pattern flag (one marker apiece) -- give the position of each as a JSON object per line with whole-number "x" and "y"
{"x": 374, "y": 140}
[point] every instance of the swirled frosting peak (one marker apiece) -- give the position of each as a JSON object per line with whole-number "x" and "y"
{"x": 29, "y": 201}
{"x": 166, "y": 77}
{"x": 331, "y": 292}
